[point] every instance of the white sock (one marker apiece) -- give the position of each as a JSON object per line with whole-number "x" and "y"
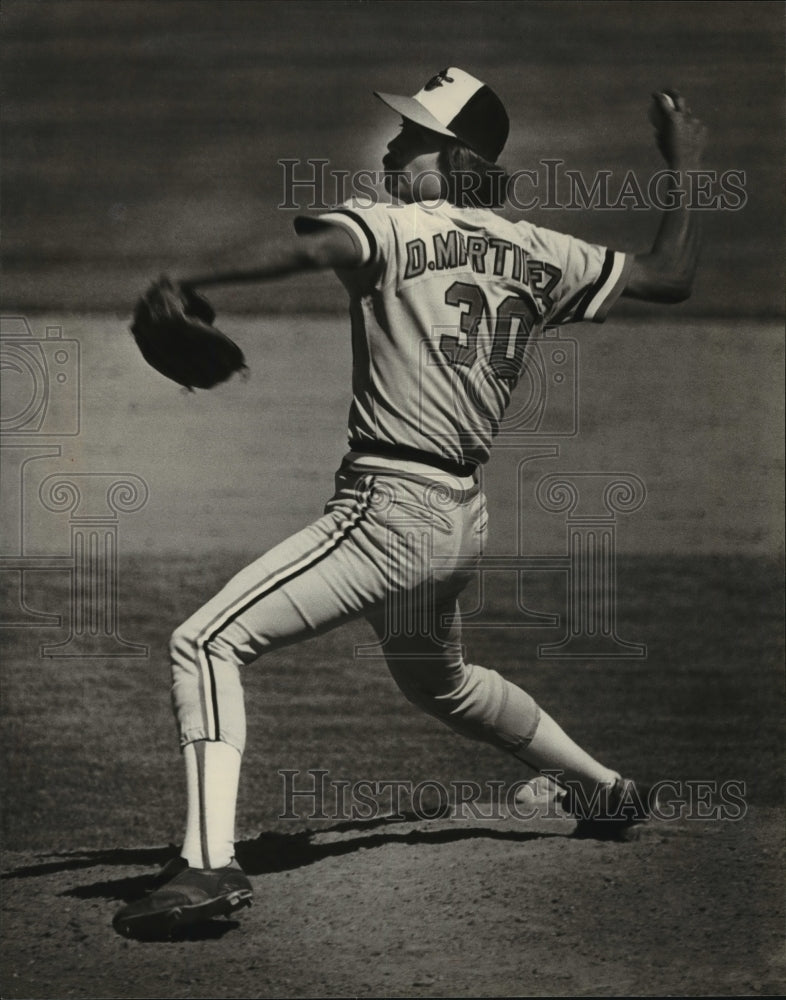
{"x": 212, "y": 777}
{"x": 551, "y": 749}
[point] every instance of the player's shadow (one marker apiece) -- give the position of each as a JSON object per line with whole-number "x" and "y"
{"x": 277, "y": 852}
{"x": 269, "y": 852}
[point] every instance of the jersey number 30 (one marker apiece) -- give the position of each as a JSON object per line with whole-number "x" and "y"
{"x": 509, "y": 329}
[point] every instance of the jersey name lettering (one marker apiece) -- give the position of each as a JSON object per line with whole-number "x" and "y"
{"x": 492, "y": 256}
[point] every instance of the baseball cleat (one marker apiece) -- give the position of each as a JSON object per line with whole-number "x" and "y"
{"x": 614, "y": 812}
{"x": 192, "y": 896}
{"x": 173, "y": 867}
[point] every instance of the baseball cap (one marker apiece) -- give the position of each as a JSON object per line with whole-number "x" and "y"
{"x": 455, "y": 103}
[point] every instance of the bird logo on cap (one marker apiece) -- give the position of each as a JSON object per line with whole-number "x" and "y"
{"x": 438, "y": 80}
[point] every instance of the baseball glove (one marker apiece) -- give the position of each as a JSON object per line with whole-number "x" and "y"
{"x": 173, "y": 328}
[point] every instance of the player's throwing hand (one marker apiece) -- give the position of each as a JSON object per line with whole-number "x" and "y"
{"x": 681, "y": 137}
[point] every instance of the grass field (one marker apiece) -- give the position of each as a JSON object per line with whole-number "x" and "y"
{"x": 704, "y": 704}
{"x": 693, "y": 408}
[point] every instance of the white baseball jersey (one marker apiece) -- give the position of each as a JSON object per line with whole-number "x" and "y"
{"x": 442, "y": 311}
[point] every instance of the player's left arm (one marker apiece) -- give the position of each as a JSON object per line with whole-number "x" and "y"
{"x": 666, "y": 272}
{"x": 324, "y": 247}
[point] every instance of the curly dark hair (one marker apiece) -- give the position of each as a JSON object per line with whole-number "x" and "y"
{"x": 472, "y": 181}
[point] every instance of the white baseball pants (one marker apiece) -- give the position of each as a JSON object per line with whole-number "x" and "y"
{"x": 395, "y": 545}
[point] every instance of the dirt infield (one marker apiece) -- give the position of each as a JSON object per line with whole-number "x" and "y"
{"x": 427, "y": 909}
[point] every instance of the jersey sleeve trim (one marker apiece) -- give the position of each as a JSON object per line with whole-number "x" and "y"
{"x": 604, "y": 292}
{"x": 352, "y": 223}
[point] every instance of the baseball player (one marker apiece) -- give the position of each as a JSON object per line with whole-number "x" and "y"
{"x": 444, "y": 296}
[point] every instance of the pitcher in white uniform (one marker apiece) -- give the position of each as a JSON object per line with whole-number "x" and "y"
{"x": 445, "y": 296}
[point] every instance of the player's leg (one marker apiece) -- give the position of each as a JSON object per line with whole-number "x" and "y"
{"x": 475, "y": 700}
{"x": 312, "y": 582}
{"x": 420, "y": 632}
{"x": 308, "y": 584}
{"x": 479, "y": 703}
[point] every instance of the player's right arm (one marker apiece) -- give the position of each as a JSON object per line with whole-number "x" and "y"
{"x": 320, "y": 248}
{"x": 666, "y": 272}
